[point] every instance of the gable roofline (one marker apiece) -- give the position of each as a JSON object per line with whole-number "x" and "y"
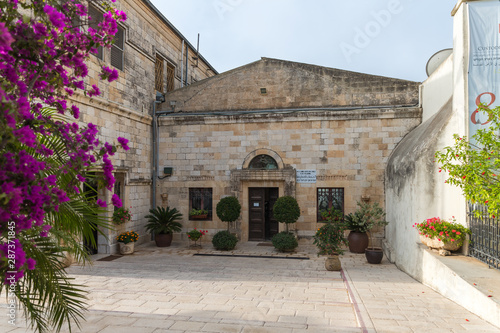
{"x": 310, "y": 67}
{"x": 177, "y": 32}
{"x": 330, "y": 69}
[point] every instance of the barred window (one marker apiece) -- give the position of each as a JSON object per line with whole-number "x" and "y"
{"x": 328, "y": 198}
{"x": 200, "y": 199}
{"x": 170, "y": 77}
{"x": 159, "y": 74}
{"x": 117, "y": 49}
{"x": 96, "y": 18}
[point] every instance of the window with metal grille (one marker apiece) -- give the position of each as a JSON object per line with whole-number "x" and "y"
{"x": 94, "y": 20}
{"x": 263, "y": 162}
{"x": 170, "y": 77}
{"x": 200, "y": 204}
{"x": 159, "y": 74}
{"x": 117, "y": 49}
{"x": 328, "y": 198}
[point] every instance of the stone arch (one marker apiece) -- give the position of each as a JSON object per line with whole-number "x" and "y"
{"x": 263, "y": 151}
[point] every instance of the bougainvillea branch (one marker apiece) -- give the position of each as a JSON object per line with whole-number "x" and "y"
{"x": 44, "y": 47}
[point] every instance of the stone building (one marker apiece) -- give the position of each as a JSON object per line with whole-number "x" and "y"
{"x": 152, "y": 57}
{"x": 274, "y": 128}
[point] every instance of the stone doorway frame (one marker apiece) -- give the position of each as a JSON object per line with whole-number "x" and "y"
{"x": 283, "y": 178}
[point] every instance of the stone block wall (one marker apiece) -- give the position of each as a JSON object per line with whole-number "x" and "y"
{"x": 125, "y": 106}
{"x": 348, "y": 149}
{"x": 291, "y": 85}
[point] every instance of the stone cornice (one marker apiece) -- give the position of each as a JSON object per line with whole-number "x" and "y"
{"x": 294, "y": 115}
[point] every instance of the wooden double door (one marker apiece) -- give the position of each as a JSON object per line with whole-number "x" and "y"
{"x": 261, "y": 223}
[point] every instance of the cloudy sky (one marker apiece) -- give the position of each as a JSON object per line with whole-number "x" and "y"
{"x": 393, "y": 38}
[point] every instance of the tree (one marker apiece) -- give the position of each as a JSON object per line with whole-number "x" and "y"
{"x": 286, "y": 210}
{"x": 228, "y": 210}
{"x": 474, "y": 165}
{"x": 44, "y": 156}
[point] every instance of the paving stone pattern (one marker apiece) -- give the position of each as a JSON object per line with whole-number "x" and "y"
{"x": 170, "y": 290}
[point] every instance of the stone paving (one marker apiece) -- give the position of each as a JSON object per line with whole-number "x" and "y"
{"x": 178, "y": 290}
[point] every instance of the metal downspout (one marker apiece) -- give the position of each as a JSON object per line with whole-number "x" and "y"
{"x": 187, "y": 65}
{"x": 156, "y": 147}
{"x": 155, "y": 172}
{"x": 182, "y": 65}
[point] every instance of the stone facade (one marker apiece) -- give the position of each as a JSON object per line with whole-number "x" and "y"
{"x": 345, "y": 138}
{"x": 126, "y": 105}
{"x": 291, "y": 85}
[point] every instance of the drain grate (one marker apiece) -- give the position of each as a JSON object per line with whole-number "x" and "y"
{"x": 109, "y": 258}
{"x": 247, "y": 256}
{"x": 265, "y": 244}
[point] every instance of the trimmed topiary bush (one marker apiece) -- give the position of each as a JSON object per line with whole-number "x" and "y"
{"x": 286, "y": 210}
{"x": 228, "y": 210}
{"x": 224, "y": 241}
{"x": 284, "y": 241}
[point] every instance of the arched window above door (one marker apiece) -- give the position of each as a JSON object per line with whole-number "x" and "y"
{"x": 263, "y": 162}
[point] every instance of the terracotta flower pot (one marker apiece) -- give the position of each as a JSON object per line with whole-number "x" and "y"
{"x": 358, "y": 241}
{"x": 434, "y": 243}
{"x": 163, "y": 240}
{"x": 332, "y": 263}
{"x": 199, "y": 217}
{"x": 374, "y": 255}
{"x": 127, "y": 248}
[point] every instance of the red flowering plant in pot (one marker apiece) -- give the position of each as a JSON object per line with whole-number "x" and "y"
{"x": 442, "y": 234}
{"x": 121, "y": 215}
{"x": 195, "y": 235}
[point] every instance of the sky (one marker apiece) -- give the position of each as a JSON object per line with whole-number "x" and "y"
{"x": 393, "y": 38}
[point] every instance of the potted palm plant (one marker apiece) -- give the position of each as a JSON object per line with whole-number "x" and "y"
{"x": 163, "y": 222}
{"x": 330, "y": 238}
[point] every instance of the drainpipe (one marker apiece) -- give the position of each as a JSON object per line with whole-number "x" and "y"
{"x": 182, "y": 65}
{"x": 187, "y": 64}
{"x": 155, "y": 171}
{"x": 156, "y": 145}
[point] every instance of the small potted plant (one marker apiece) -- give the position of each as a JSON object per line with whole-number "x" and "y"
{"x": 330, "y": 239}
{"x": 442, "y": 234}
{"x": 195, "y": 235}
{"x": 373, "y": 216}
{"x": 359, "y": 225}
{"x": 163, "y": 222}
{"x": 198, "y": 214}
{"x": 121, "y": 215}
{"x": 126, "y": 241}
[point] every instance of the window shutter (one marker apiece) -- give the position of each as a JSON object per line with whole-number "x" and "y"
{"x": 159, "y": 74}
{"x": 95, "y": 19}
{"x": 117, "y": 49}
{"x": 170, "y": 77}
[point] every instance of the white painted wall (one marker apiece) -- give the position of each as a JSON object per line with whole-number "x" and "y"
{"x": 415, "y": 189}
{"x": 437, "y": 89}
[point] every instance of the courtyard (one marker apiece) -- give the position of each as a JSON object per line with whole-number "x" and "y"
{"x": 256, "y": 289}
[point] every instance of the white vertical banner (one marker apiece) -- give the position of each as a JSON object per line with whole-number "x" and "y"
{"x": 484, "y": 61}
